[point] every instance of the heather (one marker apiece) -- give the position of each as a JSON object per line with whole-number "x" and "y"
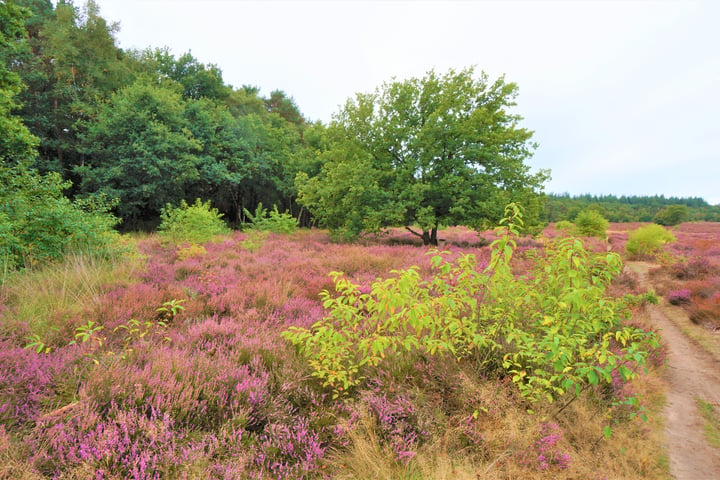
{"x": 691, "y": 278}
{"x": 177, "y": 368}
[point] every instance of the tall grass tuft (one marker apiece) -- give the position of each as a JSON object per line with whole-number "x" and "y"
{"x": 46, "y": 299}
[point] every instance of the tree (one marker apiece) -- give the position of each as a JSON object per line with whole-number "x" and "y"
{"x": 197, "y": 79}
{"x": 284, "y": 106}
{"x": 591, "y": 223}
{"x": 38, "y": 224}
{"x": 16, "y": 142}
{"x": 140, "y": 150}
{"x": 442, "y": 149}
{"x": 71, "y": 65}
{"x": 672, "y": 215}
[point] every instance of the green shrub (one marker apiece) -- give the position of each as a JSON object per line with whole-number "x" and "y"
{"x": 38, "y": 224}
{"x": 555, "y": 332}
{"x": 672, "y": 215}
{"x": 196, "y": 223}
{"x": 254, "y": 240}
{"x": 271, "y": 221}
{"x": 191, "y": 251}
{"x": 589, "y": 223}
{"x": 565, "y": 226}
{"x": 647, "y": 240}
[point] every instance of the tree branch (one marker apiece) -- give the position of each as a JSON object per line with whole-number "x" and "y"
{"x": 413, "y": 232}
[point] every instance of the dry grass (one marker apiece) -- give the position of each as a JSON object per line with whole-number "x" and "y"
{"x": 633, "y": 451}
{"x": 368, "y": 460}
{"x": 52, "y": 298}
{"x": 712, "y": 422}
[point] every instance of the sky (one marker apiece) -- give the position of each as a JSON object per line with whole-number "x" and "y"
{"x": 623, "y": 96}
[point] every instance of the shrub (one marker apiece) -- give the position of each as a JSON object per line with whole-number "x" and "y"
{"x": 565, "y": 226}
{"x": 254, "y": 240}
{"x": 694, "y": 268}
{"x": 679, "y": 297}
{"x": 272, "y": 221}
{"x": 38, "y": 224}
{"x": 196, "y": 223}
{"x": 560, "y": 330}
{"x": 589, "y": 223}
{"x": 672, "y": 215}
{"x": 194, "y": 250}
{"x": 647, "y": 240}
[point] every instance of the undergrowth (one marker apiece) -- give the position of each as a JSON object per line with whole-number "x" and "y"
{"x": 173, "y": 366}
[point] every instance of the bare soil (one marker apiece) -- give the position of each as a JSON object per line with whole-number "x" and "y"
{"x": 692, "y": 373}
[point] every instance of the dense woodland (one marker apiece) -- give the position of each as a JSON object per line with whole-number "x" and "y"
{"x": 149, "y": 128}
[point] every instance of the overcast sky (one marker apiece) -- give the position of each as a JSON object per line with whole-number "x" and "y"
{"x": 622, "y": 95}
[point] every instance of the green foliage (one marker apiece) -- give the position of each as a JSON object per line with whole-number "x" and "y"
{"x": 36, "y": 343}
{"x": 672, "y": 215}
{"x": 402, "y": 315}
{"x": 70, "y": 65}
{"x": 625, "y": 208}
{"x": 146, "y": 127}
{"x": 555, "y": 331}
{"x": 39, "y": 225}
{"x": 171, "y": 309}
{"x": 648, "y": 240}
{"x": 590, "y": 223}
{"x": 560, "y": 331}
{"x": 565, "y": 226}
{"x": 196, "y": 223}
{"x": 16, "y": 142}
{"x": 135, "y": 330}
{"x": 197, "y": 79}
{"x": 270, "y": 221}
{"x": 442, "y": 149}
{"x": 254, "y": 240}
{"x": 347, "y": 197}
{"x": 140, "y": 150}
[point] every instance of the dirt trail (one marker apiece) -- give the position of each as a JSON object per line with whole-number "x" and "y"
{"x": 692, "y": 373}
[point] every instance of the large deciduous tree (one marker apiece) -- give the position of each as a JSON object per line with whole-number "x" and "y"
{"x": 140, "y": 150}
{"x": 431, "y": 151}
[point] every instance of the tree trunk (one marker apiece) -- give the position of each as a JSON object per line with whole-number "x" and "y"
{"x": 429, "y": 237}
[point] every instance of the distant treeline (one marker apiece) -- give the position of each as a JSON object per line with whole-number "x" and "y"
{"x": 625, "y": 208}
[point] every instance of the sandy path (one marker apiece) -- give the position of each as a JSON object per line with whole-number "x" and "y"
{"x": 692, "y": 373}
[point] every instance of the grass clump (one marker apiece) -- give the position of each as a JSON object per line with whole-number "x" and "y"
{"x": 47, "y": 301}
{"x": 196, "y": 223}
{"x": 712, "y": 422}
{"x": 647, "y": 241}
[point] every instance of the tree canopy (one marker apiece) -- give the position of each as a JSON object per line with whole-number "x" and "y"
{"x": 16, "y": 142}
{"x": 439, "y": 150}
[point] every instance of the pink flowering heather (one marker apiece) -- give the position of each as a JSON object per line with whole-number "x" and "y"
{"x": 214, "y": 391}
{"x": 27, "y": 379}
{"x": 398, "y": 420}
{"x": 679, "y": 297}
{"x": 545, "y": 454}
